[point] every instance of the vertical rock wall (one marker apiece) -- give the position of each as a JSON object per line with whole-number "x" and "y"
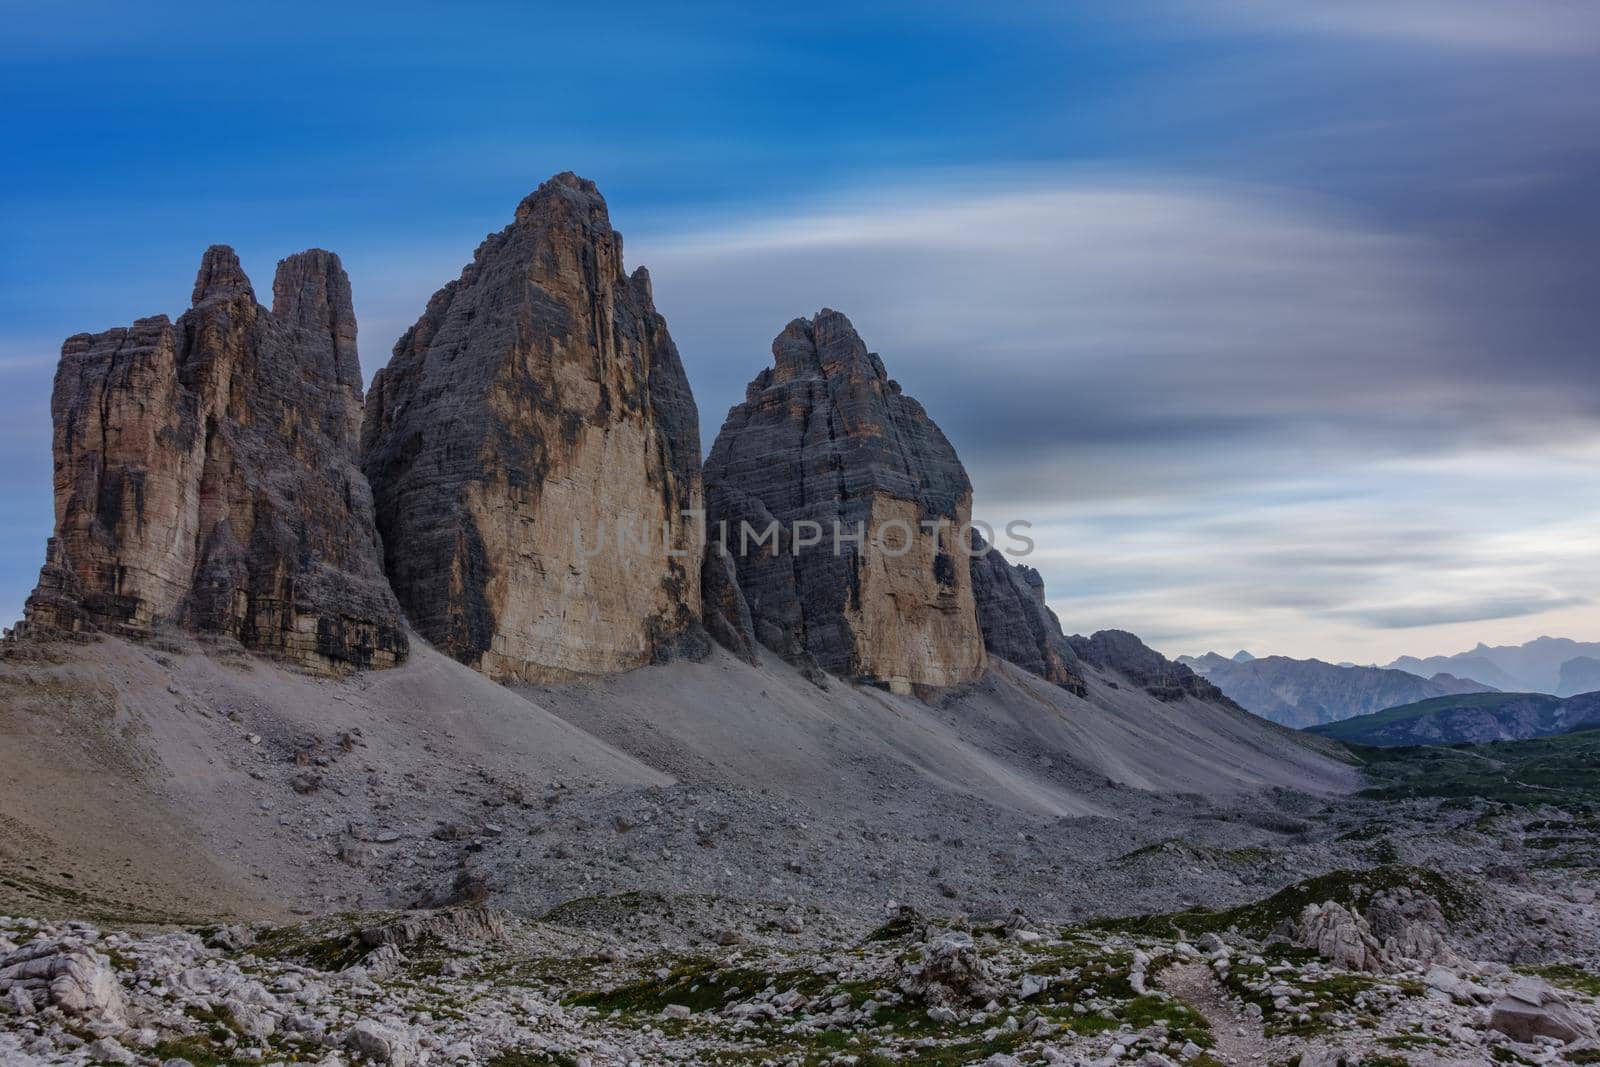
{"x": 824, "y": 436}
{"x": 205, "y": 474}
{"x": 1017, "y": 625}
{"x": 535, "y": 416}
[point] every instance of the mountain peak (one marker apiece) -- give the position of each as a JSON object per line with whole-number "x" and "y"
{"x": 905, "y": 617}
{"x": 539, "y": 400}
{"x": 220, "y": 276}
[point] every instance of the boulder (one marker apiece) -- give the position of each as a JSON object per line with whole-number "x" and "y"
{"x": 1411, "y": 926}
{"x": 382, "y": 1043}
{"x": 1451, "y": 986}
{"x": 534, "y": 452}
{"x": 469, "y": 926}
{"x": 65, "y": 974}
{"x": 845, "y": 510}
{"x": 109, "y": 1050}
{"x": 1531, "y": 1009}
{"x": 205, "y": 475}
{"x": 1325, "y": 1057}
{"x": 1340, "y": 936}
{"x": 950, "y": 974}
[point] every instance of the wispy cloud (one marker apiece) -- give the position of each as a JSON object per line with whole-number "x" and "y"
{"x": 1415, "y": 616}
{"x": 1552, "y": 26}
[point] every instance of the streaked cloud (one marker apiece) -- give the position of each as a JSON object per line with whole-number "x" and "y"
{"x": 1232, "y": 412}
{"x": 1554, "y": 26}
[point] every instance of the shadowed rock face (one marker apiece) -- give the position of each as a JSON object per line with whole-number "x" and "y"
{"x": 205, "y": 474}
{"x": 538, "y": 403}
{"x": 1017, "y": 625}
{"x": 724, "y": 610}
{"x": 824, "y": 436}
{"x": 1122, "y": 652}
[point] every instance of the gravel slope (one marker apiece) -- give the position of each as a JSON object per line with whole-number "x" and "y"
{"x": 179, "y": 779}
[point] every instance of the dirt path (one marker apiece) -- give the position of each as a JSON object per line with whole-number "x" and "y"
{"x": 1240, "y": 1040}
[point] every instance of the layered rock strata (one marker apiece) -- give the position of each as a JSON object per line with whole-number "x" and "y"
{"x": 205, "y": 474}
{"x": 826, "y": 442}
{"x": 1017, "y": 624}
{"x": 724, "y": 610}
{"x": 533, "y": 448}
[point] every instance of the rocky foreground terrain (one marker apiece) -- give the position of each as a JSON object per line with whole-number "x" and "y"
{"x": 646, "y": 978}
{"x": 221, "y": 860}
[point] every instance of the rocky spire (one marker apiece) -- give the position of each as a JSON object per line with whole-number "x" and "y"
{"x": 205, "y": 475}
{"x": 535, "y": 415}
{"x": 824, "y": 436}
{"x": 220, "y": 277}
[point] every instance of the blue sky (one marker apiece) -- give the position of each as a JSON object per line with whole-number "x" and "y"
{"x": 1277, "y": 319}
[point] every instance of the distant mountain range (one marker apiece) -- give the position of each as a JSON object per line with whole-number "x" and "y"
{"x": 1304, "y": 693}
{"x": 1556, "y": 665}
{"x": 1473, "y": 718}
{"x": 1309, "y": 692}
{"x": 1212, "y": 660}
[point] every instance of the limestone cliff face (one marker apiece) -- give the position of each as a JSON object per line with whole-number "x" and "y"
{"x": 535, "y": 416}
{"x": 1017, "y": 625}
{"x": 824, "y": 436}
{"x": 205, "y": 474}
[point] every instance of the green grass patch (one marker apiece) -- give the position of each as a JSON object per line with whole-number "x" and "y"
{"x": 1561, "y": 771}
{"x": 700, "y": 985}
{"x": 519, "y": 1058}
{"x": 198, "y": 1049}
{"x": 1352, "y": 888}
{"x": 1575, "y": 978}
{"x": 315, "y": 946}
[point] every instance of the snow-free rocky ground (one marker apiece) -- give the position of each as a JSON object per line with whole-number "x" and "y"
{"x": 209, "y": 856}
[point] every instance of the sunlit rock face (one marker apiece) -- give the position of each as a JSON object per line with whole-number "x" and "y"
{"x": 825, "y": 437}
{"x": 533, "y": 448}
{"x": 206, "y": 475}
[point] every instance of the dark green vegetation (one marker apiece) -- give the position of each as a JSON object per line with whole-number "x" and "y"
{"x": 198, "y": 1049}
{"x": 1471, "y": 717}
{"x": 1571, "y": 977}
{"x": 699, "y": 985}
{"x": 517, "y": 1058}
{"x": 704, "y": 986}
{"x": 1561, "y": 771}
{"x": 1350, "y": 888}
{"x": 1081, "y": 973}
{"x": 328, "y": 945}
{"x": 1353, "y": 729}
